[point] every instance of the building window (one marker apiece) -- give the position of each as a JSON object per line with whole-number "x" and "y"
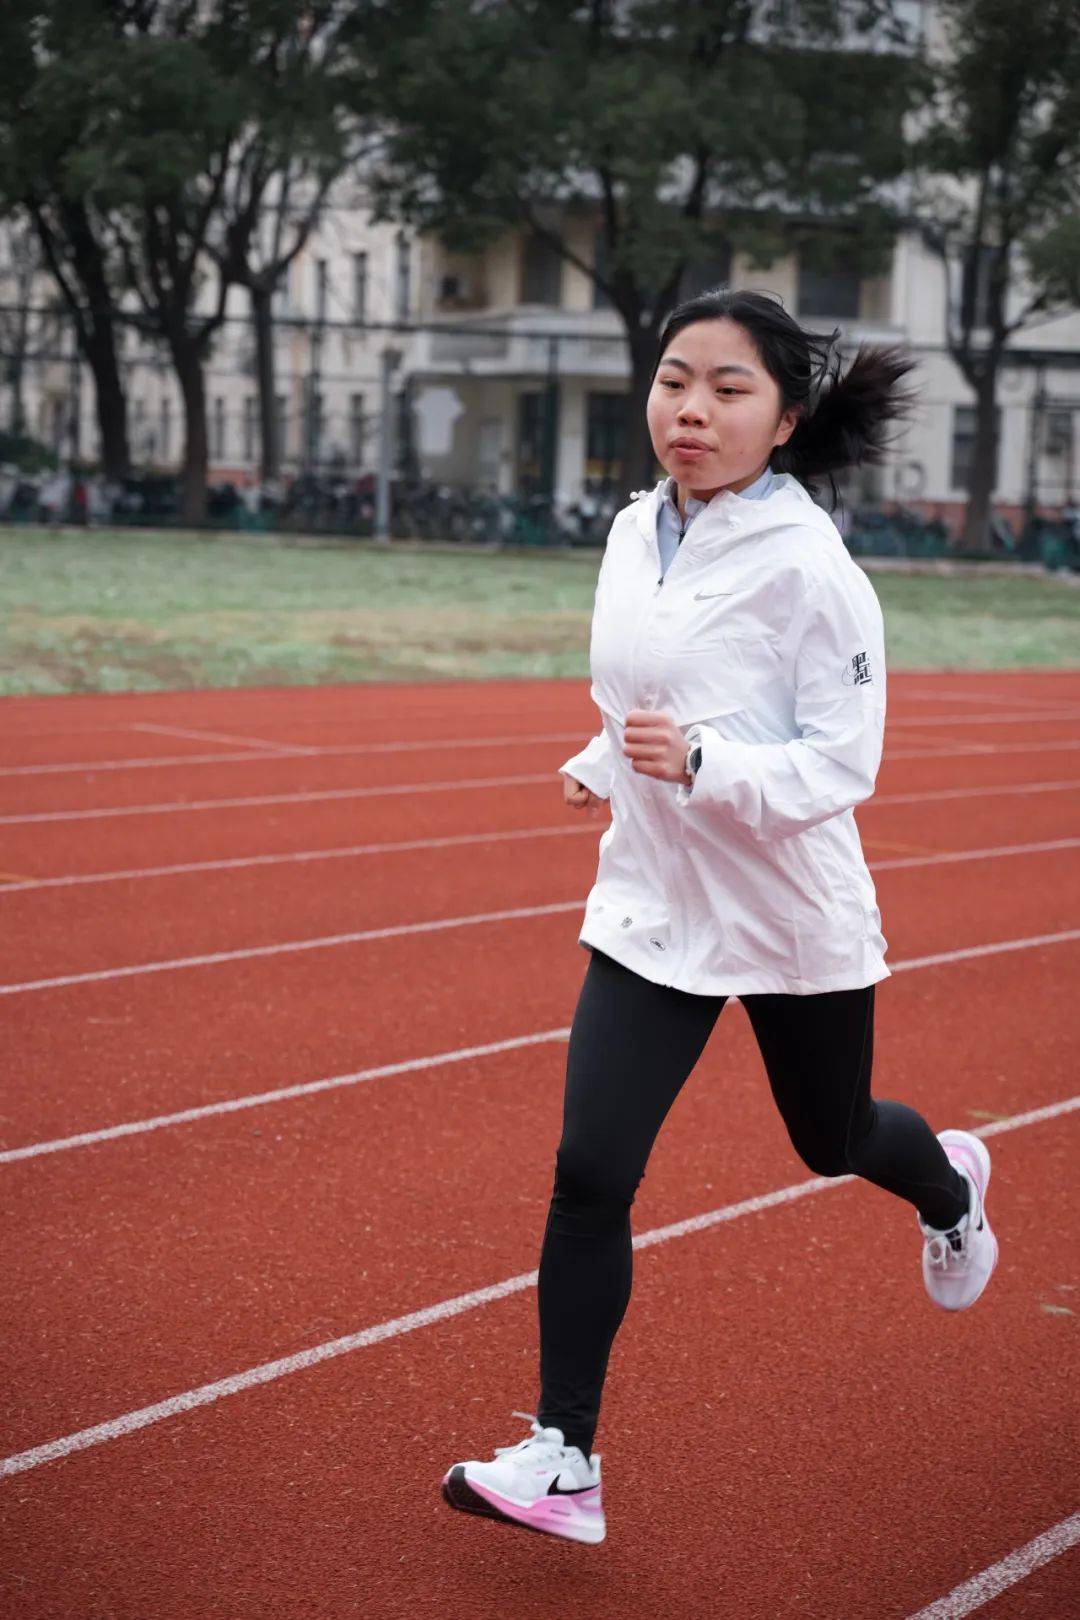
{"x": 217, "y": 436}
{"x": 56, "y": 413}
{"x": 165, "y": 427}
{"x": 281, "y": 425}
{"x": 142, "y": 441}
{"x": 403, "y": 278}
{"x": 602, "y": 266}
{"x": 283, "y": 291}
{"x": 831, "y": 292}
{"x": 315, "y": 425}
{"x": 963, "y": 445}
{"x": 975, "y": 283}
{"x": 461, "y": 289}
{"x": 606, "y": 431}
{"x": 320, "y": 290}
{"x": 541, "y": 272}
{"x": 530, "y": 439}
{"x": 360, "y": 286}
{"x": 357, "y": 429}
{"x": 705, "y": 274}
{"x": 249, "y": 427}
{"x": 1057, "y": 432}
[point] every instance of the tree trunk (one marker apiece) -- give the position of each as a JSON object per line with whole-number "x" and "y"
{"x": 187, "y": 362}
{"x": 92, "y": 307}
{"x": 976, "y": 531}
{"x": 110, "y": 402}
{"x": 641, "y": 466}
{"x": 17, "y": 419}
{"x": 263, "y": 316}
{"x": 24, "y": 287}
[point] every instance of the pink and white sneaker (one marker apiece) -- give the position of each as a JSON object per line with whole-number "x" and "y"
{"x": 957, "y": 1264}
{"x": 540, "y": 1483}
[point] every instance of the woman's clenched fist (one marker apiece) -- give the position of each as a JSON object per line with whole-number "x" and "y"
{"x": 655, "y": 746}
{"x": 578, "y": 795}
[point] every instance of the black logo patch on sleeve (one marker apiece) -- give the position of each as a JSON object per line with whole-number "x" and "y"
{"x": 857, "y": 673}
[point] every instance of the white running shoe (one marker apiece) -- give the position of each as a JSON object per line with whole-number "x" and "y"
{"x": 540, "y": 1483}
{"x": 957, "y": 1264}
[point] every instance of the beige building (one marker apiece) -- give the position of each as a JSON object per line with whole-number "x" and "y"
{"x": 486, "y": 341}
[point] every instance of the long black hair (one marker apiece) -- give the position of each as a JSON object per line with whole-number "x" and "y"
{"x": 843, "y": 419}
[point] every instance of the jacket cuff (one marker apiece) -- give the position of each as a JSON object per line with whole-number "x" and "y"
{"x": 592, "y": 767}
{"x": 712, "y": 747}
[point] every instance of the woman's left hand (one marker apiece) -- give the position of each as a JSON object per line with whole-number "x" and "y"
{"x": 655, "y": 746}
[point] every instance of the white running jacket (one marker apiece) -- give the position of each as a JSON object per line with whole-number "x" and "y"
{"x": 768, "y": 638}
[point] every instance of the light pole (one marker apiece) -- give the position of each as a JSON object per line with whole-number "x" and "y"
{"x": 391, "y": 359}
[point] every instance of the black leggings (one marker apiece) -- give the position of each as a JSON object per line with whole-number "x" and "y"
{"x": 632, "y": 1046}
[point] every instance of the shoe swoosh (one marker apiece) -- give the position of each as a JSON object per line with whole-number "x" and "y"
{"x": 555, "y": 1489}
{"x": 706, "y": 596}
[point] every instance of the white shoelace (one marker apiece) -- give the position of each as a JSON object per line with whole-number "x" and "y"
{"x": 548, "y": 1449}
{"x": 952, "y": 1248}
{"x": 946, "y": 1248}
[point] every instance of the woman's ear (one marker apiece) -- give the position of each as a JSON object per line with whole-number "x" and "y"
{"x": 786, "y": 426}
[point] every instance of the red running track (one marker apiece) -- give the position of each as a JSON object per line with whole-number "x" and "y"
{"x": 789, "y": 1427}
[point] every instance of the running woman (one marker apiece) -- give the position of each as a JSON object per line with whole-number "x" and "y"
{"x": 738, "y": 664}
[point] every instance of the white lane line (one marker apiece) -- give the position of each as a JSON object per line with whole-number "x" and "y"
{"x": 991, "y": 1582}
{"x": 218, "y": 737}
{"x": 935, "y": 748}
{"x": 993, "y": 792}
{"x": 268, "y": 1371}
{"x": 947, "y": 857}
{"x": 456, "y": 840}
{"x": 336, "y": 751}
{"x": 324, "y": 795}
{"x": 146, "y": 761}
{"x": 230, "y": 1105}
{"x": 995, "y": 949}
{"x": 310, "y": 1088}
{"x": 318, "y": 943}
{"x": 948, "y": 746}
{"x": 345, "y": 852}
{"x": 982, "y": 719}
{"x": 288, "y": 947}
{"x": 1050, "y": 713}
{"x": 304, "y": 716}
{"x": 985, "y": 698}
{"x": 321, "y": 796}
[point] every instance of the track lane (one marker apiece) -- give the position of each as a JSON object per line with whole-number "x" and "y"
{"x": 62, "y": 930}
{"x": 384, "y": 703}
{"x": 544, "y": 741}
{"x": 158, "y": 1262}
{"x": 228, "y": 1526}
{"x": 132, "y": 1046}
{"x": 775, "y": 1346}
{"x": 261, "y": 774}
{"x": 1048, "y": 1591}
{"x": 43, "y": 851}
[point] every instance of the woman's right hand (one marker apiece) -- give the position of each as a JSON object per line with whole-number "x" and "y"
{"x": 579, "y": 796}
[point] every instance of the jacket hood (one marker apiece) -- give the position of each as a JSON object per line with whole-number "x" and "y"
{"x": 789, "y": 502}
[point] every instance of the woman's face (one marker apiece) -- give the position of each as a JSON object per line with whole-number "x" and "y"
{"x": 711, "y": 387}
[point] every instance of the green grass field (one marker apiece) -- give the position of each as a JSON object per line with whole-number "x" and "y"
{"x": 104, "y": 611}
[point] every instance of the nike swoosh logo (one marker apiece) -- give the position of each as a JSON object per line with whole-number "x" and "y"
{"x": 706, "y": 596}
{"x": 555, "y": 1489}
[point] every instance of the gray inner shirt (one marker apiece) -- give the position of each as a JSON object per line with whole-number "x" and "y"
{"x": 670, "y": 527}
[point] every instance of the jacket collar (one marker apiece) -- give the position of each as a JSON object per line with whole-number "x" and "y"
{"x": 730, "y": 516}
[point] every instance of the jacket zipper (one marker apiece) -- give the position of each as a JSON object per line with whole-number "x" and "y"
{"x": 658, "y": 815}
{"x": 671, "y": 564}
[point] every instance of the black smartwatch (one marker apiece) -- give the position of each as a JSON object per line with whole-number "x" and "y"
{"x": 693, "y": 754}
